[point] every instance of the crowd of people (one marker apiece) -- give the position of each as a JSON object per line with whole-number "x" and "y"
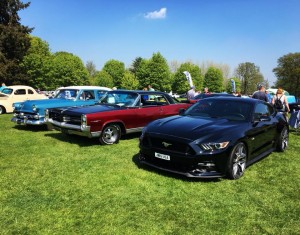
{"x": 279, "y": 100}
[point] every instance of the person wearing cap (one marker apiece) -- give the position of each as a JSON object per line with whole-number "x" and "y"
{"x": 191, "y": 93}
{"x": 260, "y": 94}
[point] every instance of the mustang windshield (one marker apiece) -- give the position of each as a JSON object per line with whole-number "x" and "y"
{"x": 217, "y": 108}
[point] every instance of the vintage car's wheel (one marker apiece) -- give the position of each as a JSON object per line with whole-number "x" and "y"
{"x": 283, "y": 140}
{"x": 110, "y": 134}
{"x": 2, "y": 110}
{"x": 237, "y": 161}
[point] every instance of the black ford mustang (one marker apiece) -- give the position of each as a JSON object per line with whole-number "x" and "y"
{"x": 215, "y": 137}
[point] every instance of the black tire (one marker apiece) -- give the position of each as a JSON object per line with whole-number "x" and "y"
{"x": 2, "y": 110}
{"x": 110, "y": 134}
{"x": 283, "y": 140}
{"x": 237, "y": 161}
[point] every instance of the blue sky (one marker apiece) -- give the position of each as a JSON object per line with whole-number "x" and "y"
{"x": 222, "y": 31}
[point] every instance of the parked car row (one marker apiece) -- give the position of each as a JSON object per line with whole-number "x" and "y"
{"x": 32, "y": 112}
{"x": 12, "y": 94}
{"x": 215, "y": 137}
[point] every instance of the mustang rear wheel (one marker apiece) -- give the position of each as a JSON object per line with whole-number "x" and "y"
{"x": 237, "y": 161}
{"x": 110, "y": 134}
{"x": 283, "y": 140}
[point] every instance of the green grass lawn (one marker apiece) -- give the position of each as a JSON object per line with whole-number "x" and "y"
{"x": 51, "y": 183}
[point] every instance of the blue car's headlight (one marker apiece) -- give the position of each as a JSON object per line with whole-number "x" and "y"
{"x": 16, "y": 106}
{"x": 213, "y": 146}
{"x": 34, "y": 108}
{"x": 46, "y": 114}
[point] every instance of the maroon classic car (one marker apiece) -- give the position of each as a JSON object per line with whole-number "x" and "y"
{"x": 118, "y": 112}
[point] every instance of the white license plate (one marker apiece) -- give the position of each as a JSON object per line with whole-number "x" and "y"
{"x": 163, "y": 156}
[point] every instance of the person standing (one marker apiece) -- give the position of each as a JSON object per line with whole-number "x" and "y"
{"x": 3, "y": 86}
{"x": 260, "y": 94}
{"x": 206, "y": 90}
{"x": 269, "y": 96}
{"x": 150, "y": 88}
{"x": 280, "y": 101}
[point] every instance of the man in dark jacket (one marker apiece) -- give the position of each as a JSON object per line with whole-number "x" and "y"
{"x": 260, "y": 94}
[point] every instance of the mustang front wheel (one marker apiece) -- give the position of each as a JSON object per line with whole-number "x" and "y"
{"x": 237, "y": 161}
{"x": 110, "y": 134}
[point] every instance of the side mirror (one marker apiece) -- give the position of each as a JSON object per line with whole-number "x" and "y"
{"x": 181, "y": 111}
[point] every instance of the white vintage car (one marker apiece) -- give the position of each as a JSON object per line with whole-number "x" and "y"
{"x": 12, "y": 94}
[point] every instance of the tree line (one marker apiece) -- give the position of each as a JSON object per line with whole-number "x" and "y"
{"x": 26, "y": 59}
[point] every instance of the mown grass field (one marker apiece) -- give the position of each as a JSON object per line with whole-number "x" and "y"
{"x": 51, "y": 183}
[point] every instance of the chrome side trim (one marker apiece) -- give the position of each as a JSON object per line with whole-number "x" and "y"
{"x": 133, "y": 130}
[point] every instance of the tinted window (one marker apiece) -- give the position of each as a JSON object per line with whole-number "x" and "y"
{"x": 20, "y": 92}
{"x": 30, "y": 92}
{"x": 262, "y": 110}
{"x": 230, "y": 109}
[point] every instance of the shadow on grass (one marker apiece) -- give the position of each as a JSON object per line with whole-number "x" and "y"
{"x": 32, "y": 128}
{"x": 83, "y": 141}
{"x": 294, "y": 131}
{"x": 137, "y": 162}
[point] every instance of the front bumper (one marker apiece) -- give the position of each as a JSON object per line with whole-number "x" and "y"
{"x": 72, "y": 129}
{"x": 26, "y": 121}
{"x": 193, "y": 166}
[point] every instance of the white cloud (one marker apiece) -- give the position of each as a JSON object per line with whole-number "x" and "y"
{"x": 161, "y": 14}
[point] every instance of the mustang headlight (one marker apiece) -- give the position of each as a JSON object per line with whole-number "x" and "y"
{"x": 83, "y": 121}
{"x": 214, "y": 146}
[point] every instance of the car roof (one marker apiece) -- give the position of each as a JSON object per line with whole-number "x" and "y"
{"x": 19, "y": 87}
{"x": 142, "y": 92}
{"x": 86, "y": 88}
{"x": 239, "y": 99}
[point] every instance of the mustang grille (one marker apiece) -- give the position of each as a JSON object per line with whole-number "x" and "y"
{"x": 168, "y": 145}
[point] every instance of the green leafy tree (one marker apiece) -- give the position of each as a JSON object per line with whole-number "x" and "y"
{"x": 91, "y": 68}
{"x": 103, "y": 78}
{"x": 180, "y": 84}
{"x": 213, "y": 80}
{"x": 156, "y": 72}
{"x": 36, "y": 62}
{"x": 250, "y": 76}
{"x": 135, "y": 65}
{"x": 116, "y": 70}
{"x": 288, "y": 73}
{"x": 160, "y": 76}
{"x": 14, "y": 42}
{"x": 129, "y": 81}
{"x": 142, "y": 73}
{"x": 67, "y": 69}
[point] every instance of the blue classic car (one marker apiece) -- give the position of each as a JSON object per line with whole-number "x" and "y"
{"x": 31, "y": 112}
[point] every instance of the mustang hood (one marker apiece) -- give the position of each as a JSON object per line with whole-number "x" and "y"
{"x": 193, "y": 128}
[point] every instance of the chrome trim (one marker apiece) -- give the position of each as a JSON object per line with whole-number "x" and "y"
{"x": 26, "y": 121}
{"x": 72, "y": 129}
{"x": 133, "y": 130}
